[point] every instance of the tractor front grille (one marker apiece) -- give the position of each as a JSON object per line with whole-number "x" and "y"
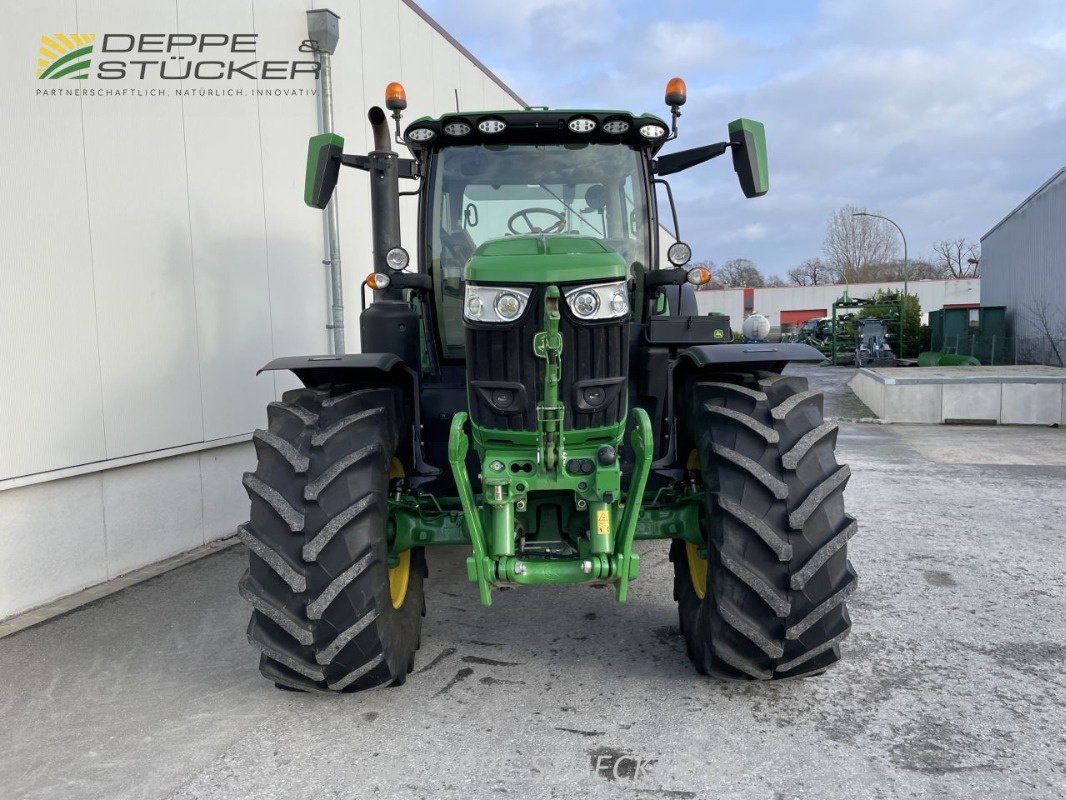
{"x": 506, "y": 380}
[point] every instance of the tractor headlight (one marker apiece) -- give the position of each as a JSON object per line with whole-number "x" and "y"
{"x": 602, "y": 301}
{"x": 507, "y": 305}
{"x": 494, "y": 303}
{"x": 457, "y": 128}
{"x": 582, "y": 125}
{"x": 679, "y": 254}
{"x": 474, "y": 306}
{"x": 397, "y": 258}
{"x": 584, "y": 303}
{"x": 420, "y": 134}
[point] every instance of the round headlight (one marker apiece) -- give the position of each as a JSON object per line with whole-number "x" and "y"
{"x": 491, "y": 125}
{"x": 582, "y": 125}
{"x": 474, "y": 306}
{"x": 616, "y": 126}
{"x": 679, "y": 254}
{"x": 652, "y": 131}
{"x": 508, "y": 305}
{"x": 457, "y": 129}
{"x": 619, "y": 302}
{"x": 421, "y": 134}
{"x": 585, "y": 304}
{"x": 397, "y": 258}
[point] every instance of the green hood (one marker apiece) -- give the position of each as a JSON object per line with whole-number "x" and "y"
{"x": 542, "y": 258}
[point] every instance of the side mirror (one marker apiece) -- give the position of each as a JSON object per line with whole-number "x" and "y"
{"x": 748, "y": 139}
{"x": 323, "y": 166}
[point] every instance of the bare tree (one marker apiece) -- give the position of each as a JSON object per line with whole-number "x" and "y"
{"x": 958, "y": 258}
{"x": 857, "y": 248}
{"x": 811, "y": 272}
{"x": 919, "y": 269}
{"x": 740, "y": 273}
{"x": 1051, "y": 323}
{"x": 775, "y": 282}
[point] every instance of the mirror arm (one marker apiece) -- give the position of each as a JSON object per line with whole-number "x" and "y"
{"x": 405, "y": 167}
{"x": 676, "y": 162}
{"x": 359, "y": 162}
{"x": 674, "y": 276}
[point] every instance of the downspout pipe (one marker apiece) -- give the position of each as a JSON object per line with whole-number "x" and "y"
{"x": 333, "y": 237}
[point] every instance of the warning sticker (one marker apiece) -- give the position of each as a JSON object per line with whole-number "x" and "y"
{"x": 603, "y": 521}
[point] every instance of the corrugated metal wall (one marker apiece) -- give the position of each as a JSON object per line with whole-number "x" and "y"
{"x": 1023, "y": 267}
{"x": 156, "y": 252}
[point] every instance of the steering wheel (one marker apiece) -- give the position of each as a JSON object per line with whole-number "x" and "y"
{"x": 559, "y": 225}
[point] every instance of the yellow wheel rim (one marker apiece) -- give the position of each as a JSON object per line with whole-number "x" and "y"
{"x": 697, "y": 567}
{"x": 400, "y": 575}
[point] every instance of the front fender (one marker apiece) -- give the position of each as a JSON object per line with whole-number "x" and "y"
{"x": 765, "y": 355}
{"x": 367, "y": 370}
{"x": 317, "y": 371}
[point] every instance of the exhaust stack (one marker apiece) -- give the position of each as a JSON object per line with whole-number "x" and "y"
{"x": 384, "y": 200}
{"x": 380, "y": 129}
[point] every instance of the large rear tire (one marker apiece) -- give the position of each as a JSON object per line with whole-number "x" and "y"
{"x": 328, "y": 612}
{"x": 767, "y": 600}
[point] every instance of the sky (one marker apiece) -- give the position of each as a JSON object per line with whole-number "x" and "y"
{"x": 941, "y": 114}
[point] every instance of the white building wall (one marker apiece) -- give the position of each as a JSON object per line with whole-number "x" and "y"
{"x": 770, "y": 302}
{"x": 157, "y": 252}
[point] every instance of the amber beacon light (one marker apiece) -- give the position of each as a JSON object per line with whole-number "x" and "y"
{"x": 395, "y": 97}
{"x": 676, "y": 93}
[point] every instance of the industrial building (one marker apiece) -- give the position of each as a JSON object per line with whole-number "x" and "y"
{"x": 788, "y": 307}
{"x": 157, "y": 252}
{"x": 1023, "y": 267}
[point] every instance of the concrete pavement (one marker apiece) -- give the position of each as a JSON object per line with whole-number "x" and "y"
{"x": 952, "y": 684}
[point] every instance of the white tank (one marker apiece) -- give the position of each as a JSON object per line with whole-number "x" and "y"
{"x": 755, "y": 328}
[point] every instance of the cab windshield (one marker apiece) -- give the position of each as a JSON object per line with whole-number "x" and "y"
{"x": 483, "y": 192}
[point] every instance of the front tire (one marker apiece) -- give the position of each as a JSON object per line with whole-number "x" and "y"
{"x": 767, "y": 600}
{"x": 328, "y": 612}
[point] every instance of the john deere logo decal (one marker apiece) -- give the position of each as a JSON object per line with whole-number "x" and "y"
{"x": 65, "y": 55}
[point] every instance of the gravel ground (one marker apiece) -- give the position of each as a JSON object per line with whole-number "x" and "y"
{"x": 952, "y": 684}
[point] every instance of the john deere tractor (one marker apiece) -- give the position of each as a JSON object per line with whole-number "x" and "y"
{"x": 538, "y": 386}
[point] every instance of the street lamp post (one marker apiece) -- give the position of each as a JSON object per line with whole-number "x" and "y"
{"x": 898, "y": 228}
{"x": 903, "y": 305}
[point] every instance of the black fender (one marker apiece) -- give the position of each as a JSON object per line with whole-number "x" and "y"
{"x": 364, "y": 369}
{"x": 315, "y": 372}
{"x": 772, "y": 356}
{"x": 705, "y": 359}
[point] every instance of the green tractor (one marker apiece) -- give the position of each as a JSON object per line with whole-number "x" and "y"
{"x": 541, "y": 389}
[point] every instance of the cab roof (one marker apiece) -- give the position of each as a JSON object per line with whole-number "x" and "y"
{"x": 537, "y": 126}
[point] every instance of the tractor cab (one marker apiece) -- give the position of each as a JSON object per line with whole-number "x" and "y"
{"x": 524, "y": 183}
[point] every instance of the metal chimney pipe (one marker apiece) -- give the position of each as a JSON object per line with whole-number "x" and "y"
{"x": 323, "y": 29}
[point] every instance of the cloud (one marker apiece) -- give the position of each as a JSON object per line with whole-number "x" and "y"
{"x": 943, "y": 114}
